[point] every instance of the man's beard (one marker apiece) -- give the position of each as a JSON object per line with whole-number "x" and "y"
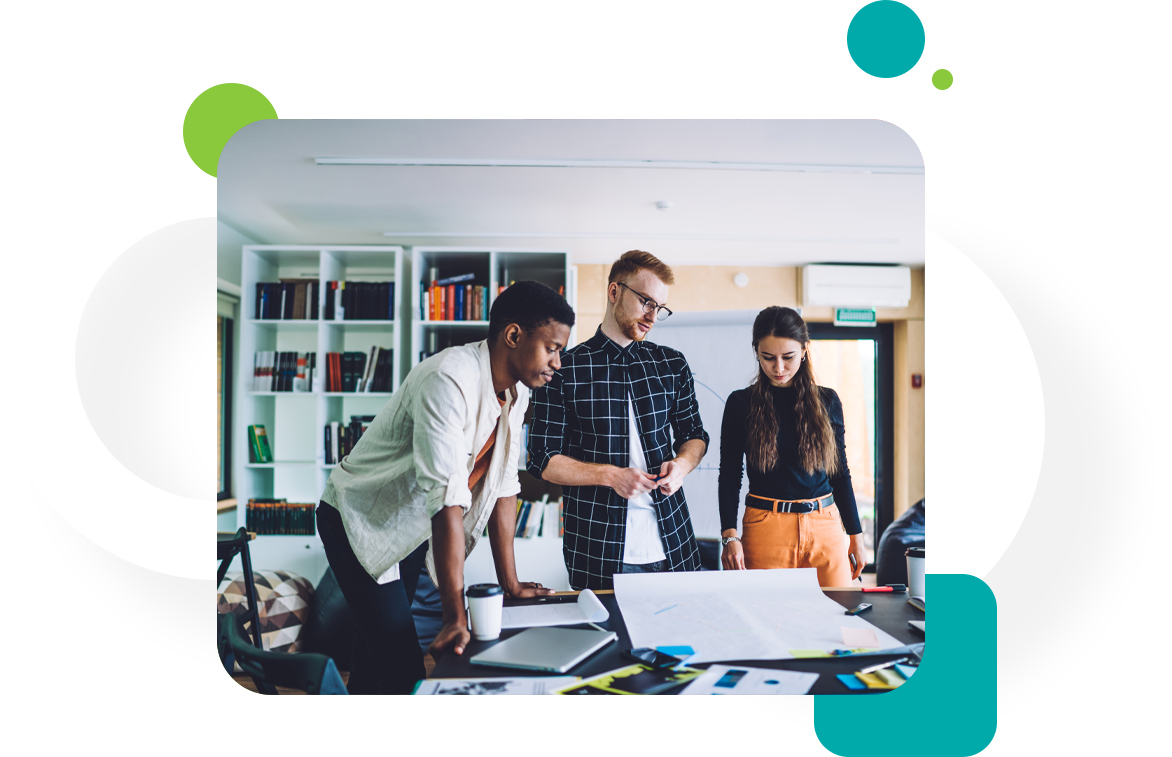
{"x": 631, "y": 330}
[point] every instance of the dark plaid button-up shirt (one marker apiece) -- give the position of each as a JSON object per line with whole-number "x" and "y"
{"x": 583, "y": 414}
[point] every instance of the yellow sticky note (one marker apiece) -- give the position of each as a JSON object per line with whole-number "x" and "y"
{"x": 803, "y": 653}
{"x": 873, "y": 681}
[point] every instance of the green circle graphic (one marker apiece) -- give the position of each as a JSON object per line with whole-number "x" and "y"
{"x": 942, "y": 79}
{"x": 216, "y": 115}
{"x": 885, "y": 39}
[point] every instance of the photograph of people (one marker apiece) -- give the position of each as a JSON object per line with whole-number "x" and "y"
{"x": 604, "y": 430}
{"x": 791, "y": 433}
{"x": 438, "y": 465}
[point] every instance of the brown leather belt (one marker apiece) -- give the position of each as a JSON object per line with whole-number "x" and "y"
{"x": 790, "y": 505}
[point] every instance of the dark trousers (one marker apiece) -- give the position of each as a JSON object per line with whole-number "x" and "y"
{"x": 650, "y": 567}
{"x": 387, "y": 658}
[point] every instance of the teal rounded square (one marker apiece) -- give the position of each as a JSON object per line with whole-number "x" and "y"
{"x": 949, "y": 706}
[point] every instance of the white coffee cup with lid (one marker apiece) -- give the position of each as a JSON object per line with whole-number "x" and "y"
{"x": 915, "y": 571}
{"x": 485, "y": 605}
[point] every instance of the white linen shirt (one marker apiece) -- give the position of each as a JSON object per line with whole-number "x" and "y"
{"x": 417, "y": 454}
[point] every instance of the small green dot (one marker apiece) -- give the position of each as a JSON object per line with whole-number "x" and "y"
{"x": 942, "y": 79}
{"x": 217, "y": 114}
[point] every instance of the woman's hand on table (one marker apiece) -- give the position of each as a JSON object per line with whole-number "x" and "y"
{"x": 733, "y": 556}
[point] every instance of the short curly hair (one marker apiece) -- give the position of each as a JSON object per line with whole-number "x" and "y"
{"x": 530, "y": 305}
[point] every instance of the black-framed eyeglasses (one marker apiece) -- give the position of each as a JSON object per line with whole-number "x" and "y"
{"x": 648, "y": 303}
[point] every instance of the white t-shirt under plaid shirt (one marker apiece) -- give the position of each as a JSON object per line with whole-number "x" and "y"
{"x": 583, "y": 414}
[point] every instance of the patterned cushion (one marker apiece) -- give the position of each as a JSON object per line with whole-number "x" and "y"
{"x": 284, "y": 599}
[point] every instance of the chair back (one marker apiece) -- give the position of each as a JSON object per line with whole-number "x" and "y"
{"x": 308, "y": 672}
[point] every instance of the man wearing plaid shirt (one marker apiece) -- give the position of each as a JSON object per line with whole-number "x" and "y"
{"x": 601, "y": 430}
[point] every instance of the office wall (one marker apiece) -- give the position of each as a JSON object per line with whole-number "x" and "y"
{"x": 229, "y": 244}
{"x": 704, "y": 288}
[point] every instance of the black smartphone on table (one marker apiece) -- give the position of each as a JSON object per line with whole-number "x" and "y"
{"x": 652, "y": 657}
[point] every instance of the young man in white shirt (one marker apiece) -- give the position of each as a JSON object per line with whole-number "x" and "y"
{"x": 437, "y": 465}
{"x": 619, "y": 428}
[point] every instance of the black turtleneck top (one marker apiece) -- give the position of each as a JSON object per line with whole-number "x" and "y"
{"x": 788, "y": 479}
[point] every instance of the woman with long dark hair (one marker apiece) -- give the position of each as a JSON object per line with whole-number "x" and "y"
{"x": 791, "y": 432}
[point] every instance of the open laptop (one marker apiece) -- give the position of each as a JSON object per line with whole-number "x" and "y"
{"x": 547, "y": 648}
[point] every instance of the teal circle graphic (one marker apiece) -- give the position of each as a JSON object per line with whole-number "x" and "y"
{"x": 885, "y": 39}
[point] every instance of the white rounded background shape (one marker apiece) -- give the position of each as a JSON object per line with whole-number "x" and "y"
{"x": 985, "y": 420}
{"x": 143, "y": 371}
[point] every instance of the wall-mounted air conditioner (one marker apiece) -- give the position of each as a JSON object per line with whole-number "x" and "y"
{"x": 856, "y": 286}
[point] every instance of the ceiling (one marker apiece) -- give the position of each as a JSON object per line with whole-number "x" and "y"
{"x": 271, "y": 189}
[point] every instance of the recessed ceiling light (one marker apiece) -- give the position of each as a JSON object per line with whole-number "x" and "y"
{"x": 663, "y": 205}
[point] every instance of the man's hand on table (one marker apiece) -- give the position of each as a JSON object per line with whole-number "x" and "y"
{"x": 526, "y": 590}
{"x": 454, "y": 636}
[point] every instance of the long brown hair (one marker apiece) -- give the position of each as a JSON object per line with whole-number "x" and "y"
{"x": 816, "y": 446}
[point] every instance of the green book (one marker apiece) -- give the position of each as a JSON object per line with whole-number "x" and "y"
{"x": 259, "y": 444}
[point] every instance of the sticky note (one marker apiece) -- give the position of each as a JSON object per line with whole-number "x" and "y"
{"x": 873, "y": 681}
{"x": 849, "y": 680}
{"x": 803, "y": 653}
{"x": 890, "y": 677}
{"x": 905, "y": 670}
{"x": 859, "y": 637}
{"x": 678, "y": 651}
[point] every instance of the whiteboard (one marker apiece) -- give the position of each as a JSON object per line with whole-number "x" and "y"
{"x": 718, "y": 346}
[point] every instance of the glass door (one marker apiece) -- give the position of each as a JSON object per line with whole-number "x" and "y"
{"x": 851, "y": 361}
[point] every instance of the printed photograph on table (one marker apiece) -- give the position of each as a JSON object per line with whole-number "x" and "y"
{"x": 705, "y": 427}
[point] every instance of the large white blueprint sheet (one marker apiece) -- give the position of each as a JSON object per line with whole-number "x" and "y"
{"x": 736, "y": 614}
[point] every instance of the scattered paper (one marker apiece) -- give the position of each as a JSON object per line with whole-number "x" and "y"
{"x": 481, "y": 686}
{"x": 634, "y": 679}
{"x": 859, "y": 637}
{"x": 723, "y": 679}
{"x": 588, "y": 609}
{"x": 736, "y": 614}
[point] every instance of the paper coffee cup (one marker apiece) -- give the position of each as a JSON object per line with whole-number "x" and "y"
{"x": 485, "y": 603}
{"x": 915, "y": 571}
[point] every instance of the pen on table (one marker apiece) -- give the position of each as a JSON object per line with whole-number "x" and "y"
{"x": 880, "y": 666}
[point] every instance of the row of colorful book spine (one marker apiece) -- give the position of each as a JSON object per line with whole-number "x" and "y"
{"x": 360, "y": 373}
{"x": 274, "y": 371}
{"x": 269, "y": 517}
{"x": 453, "y": 299}
{"x": 543, "y": 519}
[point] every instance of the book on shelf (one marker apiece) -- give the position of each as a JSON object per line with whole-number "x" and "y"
{"x": 258, "y": 445}
{"x": 379, "y": 371}
{"x": 542, "y": 519}
{"x": 287, "y": 300}
{"x": 360, "y": 301}
{"x": 453, "y": 299}
{"x": 357, "y": 372}
{"x": 268, "y": 517}
{"x": 340, "y": 439}
{"x": 275, "y": 371}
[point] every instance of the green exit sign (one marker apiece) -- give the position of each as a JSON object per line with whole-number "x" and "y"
{"x": 854, "y": 316}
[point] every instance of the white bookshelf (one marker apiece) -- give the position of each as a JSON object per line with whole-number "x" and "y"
{"x": 294, "y": 420}
{"x": 493, "y": 267}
